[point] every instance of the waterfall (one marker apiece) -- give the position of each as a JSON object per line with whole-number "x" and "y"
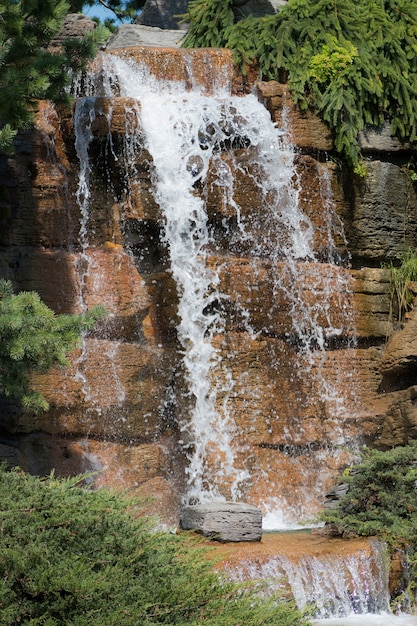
{"x": 289, "y": 300}
{"x": 345, "y": 589}
{"x": 187, "y": 131}
{"x": 88, "y": 272}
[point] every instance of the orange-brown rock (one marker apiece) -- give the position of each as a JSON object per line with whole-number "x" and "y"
{"x": 143, "y": 467}
{"x": 400, "y": 354}
{"x": 342, "y": 302}
{"x": 399, "y": 425}
{"x": 198, "y": 68}
{"x": 320, "y": 196}
{"x": 305, "y": 129}
{"x": 372, "y": 310}
{"x": 295, "y": 546}
{"x": 105, "y": 275}
{"x": 300, "y": 415}
{"x": 36, "y": 203}
{"x": 282, "y": 398}
{"x": 266, "y": 292}
{"x": 115, "y": 116}
{"x": 111, "y": 390}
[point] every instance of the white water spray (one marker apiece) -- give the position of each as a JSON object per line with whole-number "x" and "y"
{"x": 330, "y": 586}
{"x": 186, "y": 133}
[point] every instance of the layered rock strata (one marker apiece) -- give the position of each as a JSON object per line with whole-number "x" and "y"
{"x": 113, "y": 411}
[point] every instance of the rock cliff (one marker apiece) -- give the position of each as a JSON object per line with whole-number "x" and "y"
{"x": 118, "y": 408}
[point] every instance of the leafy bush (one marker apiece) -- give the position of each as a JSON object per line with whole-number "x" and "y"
{"x": 353, "y": 62}
{"x": 381, "y": 498}
{"x": 73, "y": 556}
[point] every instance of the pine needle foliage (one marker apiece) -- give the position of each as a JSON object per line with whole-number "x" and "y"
{"x": 354, "y": 62}
{"x": 209, "y": 21}
{"x": 29, "y": 71}
{"x": 34, "y": 339}
{"x": 72, "y": 556}
{"x": 123, "y": 10}
{"x": 381, "y": 501}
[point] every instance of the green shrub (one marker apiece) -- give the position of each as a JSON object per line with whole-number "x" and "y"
{"x": 77, "y": 557}
{"x": 34, "y": 338}
{"x": 355, "y": 63}
{"x": 30, "y": 70}
{"x": 381, "y": 500}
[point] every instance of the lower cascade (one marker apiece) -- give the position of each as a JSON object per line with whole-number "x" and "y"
{"x": 339, "y": 583}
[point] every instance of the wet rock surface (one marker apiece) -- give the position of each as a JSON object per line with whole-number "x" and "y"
{"x": 124, "y": 387}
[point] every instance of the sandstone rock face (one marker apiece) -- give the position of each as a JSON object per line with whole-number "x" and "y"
{"x": 299, "y": 404}
{"x": 400, "y": 355}
{"x": 305, "y": 129}
{"x": 224, "y": 521}
{"x": 203, "y": 69}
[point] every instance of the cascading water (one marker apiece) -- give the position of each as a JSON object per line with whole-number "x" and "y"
{"x": 186, "y": 133}
{"x": 87, "y": 267}
{"x": 348, "y": 590}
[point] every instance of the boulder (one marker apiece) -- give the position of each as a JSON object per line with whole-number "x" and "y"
{"x": 75, "y": 26}
{"x": 400, "y": 355}
{"x": 140, "y": 35}
{"x": 224, "y": 521}
{"x": 163, "y": 14}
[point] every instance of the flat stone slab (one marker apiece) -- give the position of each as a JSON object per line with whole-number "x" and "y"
{"x": 137, "y": 35}
{"x": 223, "y": 521}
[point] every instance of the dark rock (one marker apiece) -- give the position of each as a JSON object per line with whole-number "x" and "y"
{"x": 167, "y": 14}
{"x": 75, "y": 26}
{"x": 257, "y": 8}
{"x": 163, "y": 14}
{"x": 224, "y": 521}
{"x": 384, "y": 218}
{"x": 334, "y": 495}
{"x": 381, "y": 140}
